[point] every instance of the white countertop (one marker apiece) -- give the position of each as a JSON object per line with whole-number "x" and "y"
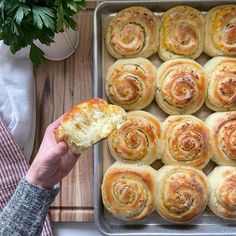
{"x": 75, "y": 229}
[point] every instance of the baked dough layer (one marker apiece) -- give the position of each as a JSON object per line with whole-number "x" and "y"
{"x": 137, "y": 140}
{"x": 181, "y": 86}
{"x": 222, "y": 199}
{"x": 128, "y": 191}
{"x": 220, "y": 31}
{"x": 182, "y": 193}
{"x": 222, "y": 127}
{"x": 88, "y": 122}
{"x": 130, "y": 83}
{"x": 187, "y": 141}
{"x": 133, "y": 32}
{"x": 221, "y": 76}
{"x": 182, "y": 33}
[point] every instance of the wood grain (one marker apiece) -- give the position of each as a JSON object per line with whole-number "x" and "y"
{"x": 60, "y": 85}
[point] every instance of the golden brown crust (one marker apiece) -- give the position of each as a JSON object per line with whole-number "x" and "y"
{"x": 133, "y": 32}
{"x": 182, "y": 33}
{"x": 222, "y": 199}
{"x": 220, "y": 31}
{"x": 187, "y": 141}
{"x": 137, "y": 140}
{"x": 128, "y": 191}
{"x": 221, "y": 76}
{"x": 181, "y": 86}
{"x": 130, "y": 83}
{"x": 223, "y": 135}
{"x": 88, "y": 122}
{"x": 182, "y": 193}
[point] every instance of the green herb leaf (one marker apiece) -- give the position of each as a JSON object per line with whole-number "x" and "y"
{"x": 71, "y": 23}
{"x": 36, "y": 55}
{"x": 23, "y": 21}
{"x": 60, "y": 15}
{"x": 2, "y": 4}
{"x": 81, "y": 3}
{"x": 65, "y": 9}
{"x": 14, "y": 28}
{"x": 43, "y": 17}
{"x": 46, "y": 36}
{"x": 73, "y": 6}
{"x": 13, "y": 8}
{"x": 21, "y": 12}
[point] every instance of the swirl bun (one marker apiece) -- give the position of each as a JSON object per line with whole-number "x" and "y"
{"x": 182, "y": 193}
{"x": 128, "y": 191}
{"x": 137, "y": 139}
{"x": 133, "y": 32}
{"x": 187, "y": 141}
{"x": 181, "y": 86}
{"x": 223, "y": 135}
{"x": 130, "y": 83}
{"x": 182, "y": 33}
{"x": 220, "y": 31}
{"x": 221, "y": 76}
{"x": 222, "y": 199}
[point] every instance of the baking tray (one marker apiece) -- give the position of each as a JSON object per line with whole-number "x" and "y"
{"x": 207, "y": 223}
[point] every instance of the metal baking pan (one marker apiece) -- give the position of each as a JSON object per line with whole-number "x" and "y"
{"x": 207, "y": 223}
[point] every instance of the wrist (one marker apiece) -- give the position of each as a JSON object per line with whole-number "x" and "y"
{"x": 38, "y": 182}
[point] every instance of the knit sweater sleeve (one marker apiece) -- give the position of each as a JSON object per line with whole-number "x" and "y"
{"x": 25, "y": 213}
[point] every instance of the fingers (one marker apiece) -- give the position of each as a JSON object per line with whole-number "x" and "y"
{"x": 51, "y": 130}
{"x": 73, "y": 156}
{"x": 69, "y": 162}
{"x": 53, "y": 126}
{"x": 61, "y": 149}
{"x": 57, "y": 121}
{"x": 57, "y": 151}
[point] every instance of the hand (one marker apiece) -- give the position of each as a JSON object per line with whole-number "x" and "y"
{"x": 52, "y": 162}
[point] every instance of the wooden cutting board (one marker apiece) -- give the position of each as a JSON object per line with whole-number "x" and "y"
{"x": 59, "y": 86}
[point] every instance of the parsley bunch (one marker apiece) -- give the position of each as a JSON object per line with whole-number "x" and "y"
{"x": 23, "y": 21}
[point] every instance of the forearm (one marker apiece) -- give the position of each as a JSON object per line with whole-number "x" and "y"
{"x": 26, "y": 211}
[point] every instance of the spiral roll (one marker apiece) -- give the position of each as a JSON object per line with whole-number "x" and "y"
{"x": 137, "y": 140}
{"x": 181, "y": 86}
{"x": 128, "y": 191}
{"x": 220, "y": 31}
{"x": 223, "y": 136}
{"x": 187, "y": 141}
{"x": 130, "y": 83}
{"x": 182, "y": 33}
{"x": 182, "y": 193}
{"x": 133, "y": 32}
{"x": 221, "y": 76}
{"x": 222, "y": 199}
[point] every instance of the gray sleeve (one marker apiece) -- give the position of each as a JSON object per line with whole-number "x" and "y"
{"x": 26, "y": 211}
